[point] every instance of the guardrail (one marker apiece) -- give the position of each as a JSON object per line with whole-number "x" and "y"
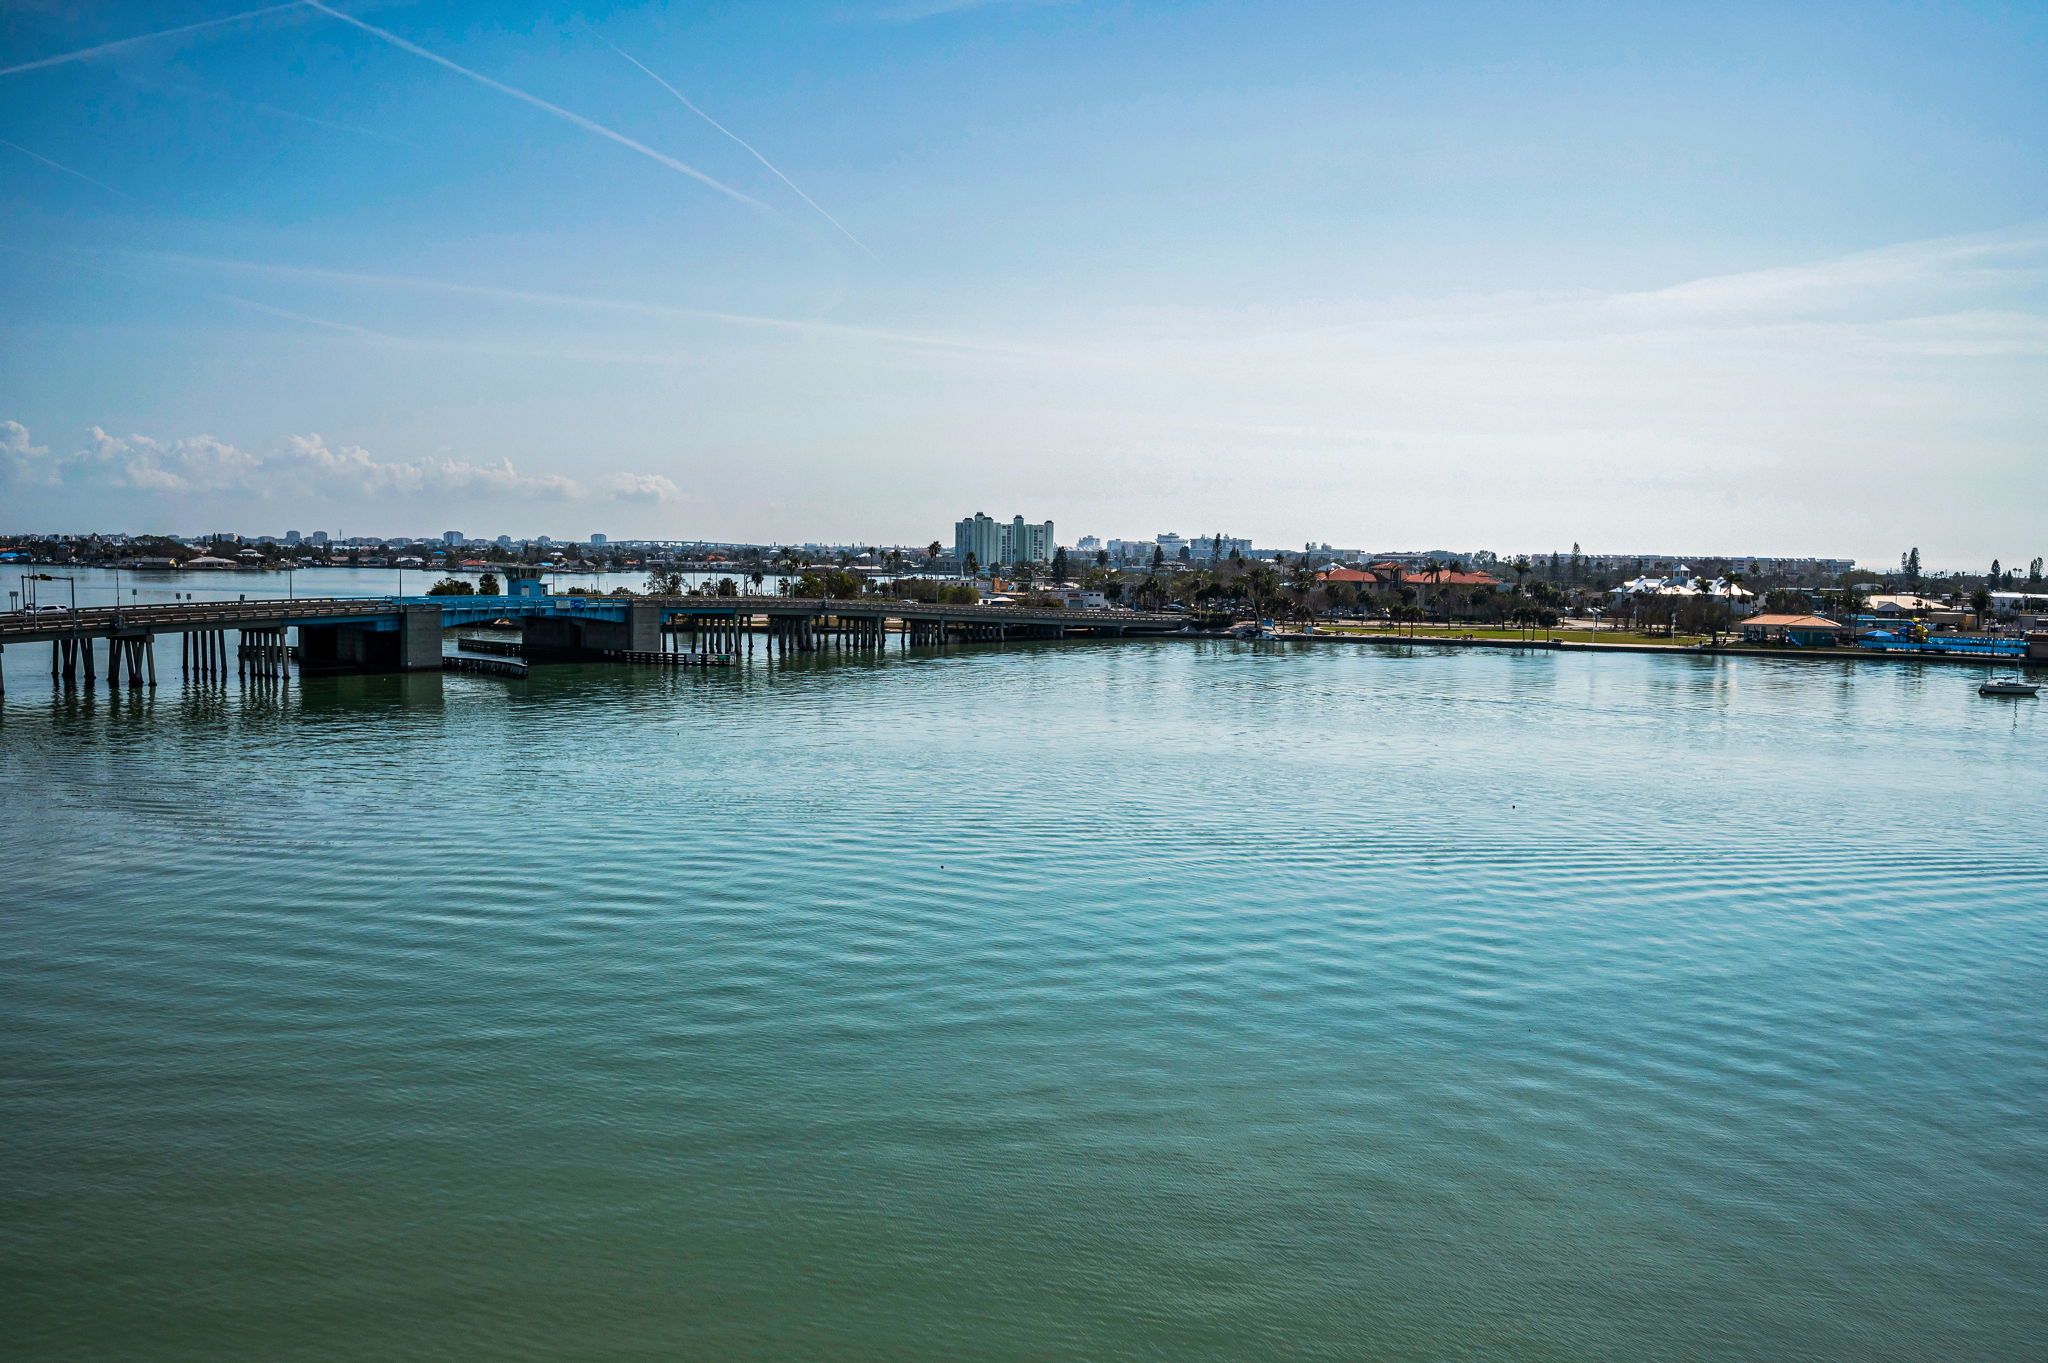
{"x": 1983, "y": 648}
{"x": 877, "y": 605}
{"x": 104, "y": 619}
{"x": 226, "y": 614}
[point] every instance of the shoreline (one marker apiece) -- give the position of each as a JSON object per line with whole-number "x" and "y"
{"x": 1683, "y": 650}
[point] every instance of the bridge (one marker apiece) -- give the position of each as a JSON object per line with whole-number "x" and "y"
{"x": 405, "y": 633}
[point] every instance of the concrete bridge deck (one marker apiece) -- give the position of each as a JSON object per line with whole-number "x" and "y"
{"x": 405, "y": 633}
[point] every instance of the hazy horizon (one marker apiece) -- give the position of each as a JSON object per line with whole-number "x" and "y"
{"x": 1732, "y": 282}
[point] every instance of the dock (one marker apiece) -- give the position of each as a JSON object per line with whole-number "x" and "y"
{"x": 493, "y": 667}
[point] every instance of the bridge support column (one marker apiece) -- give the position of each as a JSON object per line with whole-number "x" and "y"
{"x": 419, "y": 639}
{"x": 643, "y": 627}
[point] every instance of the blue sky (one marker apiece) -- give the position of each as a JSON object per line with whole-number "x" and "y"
{"x": 1646, "y": 278}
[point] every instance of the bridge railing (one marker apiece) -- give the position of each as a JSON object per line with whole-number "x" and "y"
{"x": 878, "y": 605}
{"x": 227, "y": 614}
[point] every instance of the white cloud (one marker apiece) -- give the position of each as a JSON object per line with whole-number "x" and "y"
{"x": 1905, "y": 274}
{"x": 301, "y": 464}
{"x": 640, "y": 487}
{"x": 20, "y": 462}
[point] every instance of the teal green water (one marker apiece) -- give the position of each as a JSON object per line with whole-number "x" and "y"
{"x": 1169, "y": 1000}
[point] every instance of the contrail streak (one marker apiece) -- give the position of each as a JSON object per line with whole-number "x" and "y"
{"x": 557, "y": 110}
{"x": 273, "y": 111}
{"x": 773, "y": 169}
{"x": 822, "y": 329}
{"x": 116, "y": 46}
{"x": 75, "y": 174}
{"x": 303, "y": 317}
{"x": 467, "y": 347}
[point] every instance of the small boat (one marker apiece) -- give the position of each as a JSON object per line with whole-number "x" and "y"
{"x": 2008, "y": 686}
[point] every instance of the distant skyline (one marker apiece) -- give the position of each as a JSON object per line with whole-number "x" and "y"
{"x": 1733, "y": 278}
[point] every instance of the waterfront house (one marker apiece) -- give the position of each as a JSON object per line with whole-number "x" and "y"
{"x": 1686, "y": 583}
{"x": 1902, "y": 605}
{"x": 1423, "y": 582}
{"x": 1803, "y": 631}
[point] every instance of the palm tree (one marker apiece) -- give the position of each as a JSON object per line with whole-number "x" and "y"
{"x": 1304, "y": 584}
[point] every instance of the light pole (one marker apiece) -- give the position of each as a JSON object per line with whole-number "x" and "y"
{"x": 29, "y": 593}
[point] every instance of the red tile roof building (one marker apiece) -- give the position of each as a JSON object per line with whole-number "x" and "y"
{"x": 1395, "y": 575}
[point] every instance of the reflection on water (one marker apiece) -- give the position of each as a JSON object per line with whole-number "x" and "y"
{"x": 1147, "y": 1000}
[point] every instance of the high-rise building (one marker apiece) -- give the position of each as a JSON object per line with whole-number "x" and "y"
{"x": 319, "y": 537}
{"x": 993, "y": 543}
{"x": 504, "y": 541}
{"x": 451, "y": 537}
{"x": 599, "y": 539}
{"x": 291, "y": 537}
{"x": 978, "y": 538}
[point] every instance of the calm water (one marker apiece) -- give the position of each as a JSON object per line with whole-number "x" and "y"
{"x": 1168, "y": 1000}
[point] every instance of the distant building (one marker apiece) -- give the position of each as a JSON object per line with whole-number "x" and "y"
{"x": 599, "y": 539}
{"x": 1220, "y": 546}
{"x": 1664, "y": 565}
{"x": 1392, "y": 574}
{"x": 504, "y": 541}
{"x": 1902, "y": 605}
{"x": 319, "y": 537}
{"x": 2020, "y": 603}
{"x": 1686, "y": 583}
{"x": 992, "y": 542}
{"x": 451, "y": 537}
{"x": 291, "y": 537}
{"x": 1805, "y": 631}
